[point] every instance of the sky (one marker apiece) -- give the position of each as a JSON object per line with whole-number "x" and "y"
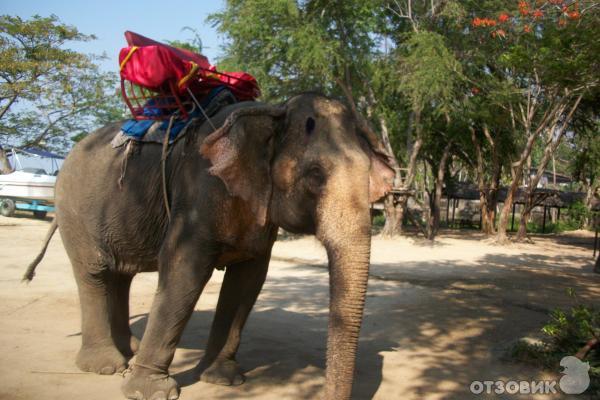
{"x": 109, "y": 19}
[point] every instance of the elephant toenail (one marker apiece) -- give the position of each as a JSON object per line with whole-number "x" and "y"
{"x": 107, "y": 371}
{"x": 160, "y": 395}
{"x": 174, "y": 394}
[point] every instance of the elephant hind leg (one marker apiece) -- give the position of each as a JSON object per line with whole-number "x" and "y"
{"x": 241, "y": 286}
{"x": 98, "y": 352}
{"x": 118, "y": 299}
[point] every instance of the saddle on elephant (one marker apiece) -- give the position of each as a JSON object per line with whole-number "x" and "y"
{"x": 158, "y": 80}
{"x": 166, "y": 87}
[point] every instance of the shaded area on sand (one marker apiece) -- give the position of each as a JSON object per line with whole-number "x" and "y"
{"x": 437, "y": 317}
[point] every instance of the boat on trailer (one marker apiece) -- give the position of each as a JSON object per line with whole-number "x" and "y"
{"x": 28, "y": 185}
{"x": 30, "y": 189}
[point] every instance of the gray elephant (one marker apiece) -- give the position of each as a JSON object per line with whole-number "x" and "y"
{"x": 303, "y": 166}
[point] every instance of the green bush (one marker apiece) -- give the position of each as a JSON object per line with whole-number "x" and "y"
{"x": 379, "y": 221}
{"x": 564, "y": 335}
{"x": 558, "y": 227}
{"x": 577, "y": 215}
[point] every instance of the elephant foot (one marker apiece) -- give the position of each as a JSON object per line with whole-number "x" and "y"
{"x": 103, "y": 360}
{"x": 128, "y": 345}
{"x": 146, "y": 384}
{"x": 222, "y": 372}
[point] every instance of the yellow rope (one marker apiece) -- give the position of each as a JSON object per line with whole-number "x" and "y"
{"x": 190, "y": 74}
{"x": 127, "y": 57}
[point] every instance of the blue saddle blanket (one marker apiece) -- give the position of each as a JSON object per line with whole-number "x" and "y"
{"x": 155, "y": 131}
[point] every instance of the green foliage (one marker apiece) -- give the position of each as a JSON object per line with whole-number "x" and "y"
{"x": 564, "y": 335}
{"x": 194, "y": 45}
{"x": 429, "y": 73}
{"x": 584, "y": 156}
{"x": 379, "y": 220}
{"x": 292, "y": 47}
{"x": 48, "y": 92}
{"x": 577, "y": 215}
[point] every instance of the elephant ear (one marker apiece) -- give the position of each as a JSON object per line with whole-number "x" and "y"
{"x": 382, "y": 171}
{"x": 241, "y": 152}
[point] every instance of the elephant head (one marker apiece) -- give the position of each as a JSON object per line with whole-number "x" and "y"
{"x": 308, "y": 168}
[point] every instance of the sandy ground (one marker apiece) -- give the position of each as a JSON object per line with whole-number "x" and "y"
{"x": 437, "y": 317}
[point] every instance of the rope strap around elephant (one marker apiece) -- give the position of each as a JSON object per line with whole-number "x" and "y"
{"x": 159, "y": 373}
{"x": 163, "y": 161}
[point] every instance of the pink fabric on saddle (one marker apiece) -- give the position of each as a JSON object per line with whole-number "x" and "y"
{"x": 135, "y": 39}
{"x": 159, "y": 67}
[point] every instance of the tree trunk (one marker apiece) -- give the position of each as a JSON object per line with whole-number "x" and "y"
{"x": 590, "y": 190}
{"x": 5, "y": 167}
{"x": 525, "y": 215}
{"x": 554, "y": 135}
{"x": 553, "y": 214}
{"x": 481, "y": 185}
{"x": 501, "y": 236}
{"x": 435, "y": 202}
{"x": 394, "y": 213}
{"x": 488, "y": 191}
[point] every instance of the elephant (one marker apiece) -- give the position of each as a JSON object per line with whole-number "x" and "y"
{"x": 305, "y": 165}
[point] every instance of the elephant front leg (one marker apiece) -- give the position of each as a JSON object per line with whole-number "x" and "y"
{"x": 241, "y": 285}
{"x": 180, "y": 284}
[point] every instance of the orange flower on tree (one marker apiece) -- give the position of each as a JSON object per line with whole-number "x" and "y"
{"x": 527, "y": 28}
{"x": 503, "y": 17}
{"x": 574, "y": 15}
{"x": 523, "y": 8}
{"x": 537, "y": 14}
{"x": 477, "y": 22}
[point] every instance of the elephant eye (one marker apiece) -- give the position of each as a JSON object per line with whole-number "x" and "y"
{"x": 310, "y": 125}
{"x": 315, "y": 175}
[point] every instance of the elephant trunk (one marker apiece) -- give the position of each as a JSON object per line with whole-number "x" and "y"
{"x": 344, "y": 230}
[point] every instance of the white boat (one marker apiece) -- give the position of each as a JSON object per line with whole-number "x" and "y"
{"x": 25, "y": 185}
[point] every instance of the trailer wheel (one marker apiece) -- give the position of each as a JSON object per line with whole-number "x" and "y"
{"x": 7, "y": 207}
{"x": 40, "y": 214}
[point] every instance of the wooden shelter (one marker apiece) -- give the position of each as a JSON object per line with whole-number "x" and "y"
{"x": 546, "y": 198}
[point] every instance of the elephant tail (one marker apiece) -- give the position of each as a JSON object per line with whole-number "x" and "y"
{"x": 30, "y": 273}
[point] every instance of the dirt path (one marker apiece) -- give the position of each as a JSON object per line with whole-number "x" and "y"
{"x": 437, "y": 318}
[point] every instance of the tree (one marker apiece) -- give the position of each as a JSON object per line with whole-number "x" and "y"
{"x": 48, "y": 93}
{"x": 583, "y": 151}
{"x": 315, "y": 45}
{"x": 437, "y": 80}
{"x": 542, "y": 57}
{"x": 428, "y": 75}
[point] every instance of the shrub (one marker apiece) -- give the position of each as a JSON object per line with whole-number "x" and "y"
{"x": 564, "y": 335}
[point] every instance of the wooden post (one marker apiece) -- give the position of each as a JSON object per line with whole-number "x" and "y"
{"x": 544, "y": 221}
{"x": 453, "y": 211}
{"x": 447, "y": 212}
{"x": 512, "y": 221}
{"x": 558, "y": 215}
{"x": 596, "y": 241}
